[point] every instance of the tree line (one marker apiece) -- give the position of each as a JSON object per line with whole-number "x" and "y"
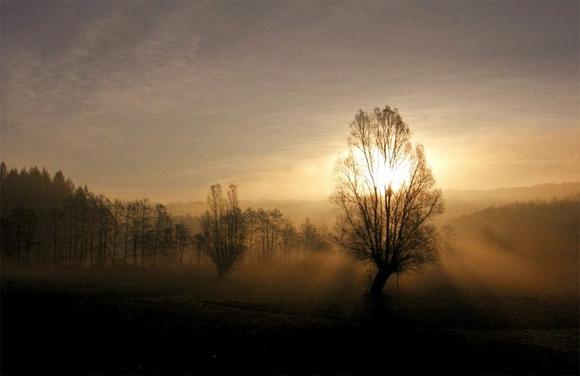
{"x": 229, "y": 234}
{"x": 46, "y": 220}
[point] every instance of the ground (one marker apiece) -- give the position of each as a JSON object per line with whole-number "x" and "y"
{"x": 188, "y": 321}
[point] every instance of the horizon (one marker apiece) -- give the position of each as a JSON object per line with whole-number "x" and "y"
{"x": 202, "y": 198}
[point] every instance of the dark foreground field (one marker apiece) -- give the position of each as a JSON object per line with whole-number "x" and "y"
{"x": 187, "y": 321}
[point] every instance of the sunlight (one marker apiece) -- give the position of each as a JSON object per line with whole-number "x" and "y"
{"x": 380, "y": 171}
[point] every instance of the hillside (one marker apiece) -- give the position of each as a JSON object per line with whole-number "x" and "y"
{"x": 533, "y": 243}
{"x": 525, "y": 227}
{"x": 459, "y": 202}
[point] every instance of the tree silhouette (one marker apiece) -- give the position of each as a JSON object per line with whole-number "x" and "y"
{"x": 48, "y": 221}
{"x": 312, "y": 239}
{"x": 223, "y": 228}
{"x": 385, "y": 192}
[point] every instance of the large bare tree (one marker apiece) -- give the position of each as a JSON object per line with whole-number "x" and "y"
{"x": 386, "y": 193}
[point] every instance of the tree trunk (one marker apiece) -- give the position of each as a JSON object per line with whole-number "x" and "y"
{"x": 379, "y": 282}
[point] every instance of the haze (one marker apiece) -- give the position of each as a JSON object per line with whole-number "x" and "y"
{"x": 161, "y": 99}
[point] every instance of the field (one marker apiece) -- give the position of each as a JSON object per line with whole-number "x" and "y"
{"x": 309, "y": 317}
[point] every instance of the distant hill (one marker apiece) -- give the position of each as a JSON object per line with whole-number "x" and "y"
{"x": 534, "y": 192}
{"x": 464, "y": 202}
{"x": 457, "y": 202}
{"x": 531, "y": 245}
{"x": 528, "y": 227}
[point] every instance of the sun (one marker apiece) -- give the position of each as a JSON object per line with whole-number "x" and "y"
{"x": 378, "y": 173}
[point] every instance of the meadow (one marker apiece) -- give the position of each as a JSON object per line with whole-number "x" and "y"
{"x": 307, "y": 317}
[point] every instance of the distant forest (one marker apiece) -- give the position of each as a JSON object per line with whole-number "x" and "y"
{"x": 542, "y": 229}
{"x": 527, "y": 246}
{"x": 46, "y": 220}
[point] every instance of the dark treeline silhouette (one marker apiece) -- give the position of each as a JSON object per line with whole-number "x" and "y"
{"x": 229, "y": 234}
{"x": 270, "y": 234}
{"x": 47, "y": 220}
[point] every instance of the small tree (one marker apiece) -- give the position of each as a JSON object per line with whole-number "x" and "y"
{"x": 385, "y": 192}
{"x": 223, "y": 228}
{"x": 290, "y": 238}
{"x": 312, "y": 239}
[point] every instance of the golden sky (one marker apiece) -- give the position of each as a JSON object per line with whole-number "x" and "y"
{"x": 162, "y": 99}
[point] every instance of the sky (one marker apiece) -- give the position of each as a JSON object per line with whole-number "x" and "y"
{"x": 161, "y": 99}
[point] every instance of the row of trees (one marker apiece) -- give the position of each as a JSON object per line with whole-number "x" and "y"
{"x": 270, "y": 235}
{"x": 228, "y": 234}
{"x": 46, "y": 220}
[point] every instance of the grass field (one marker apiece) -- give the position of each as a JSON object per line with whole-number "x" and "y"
{"x": 311, "y": 317}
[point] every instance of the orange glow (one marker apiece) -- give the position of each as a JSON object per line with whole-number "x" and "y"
{"x": 378, "y": 173}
